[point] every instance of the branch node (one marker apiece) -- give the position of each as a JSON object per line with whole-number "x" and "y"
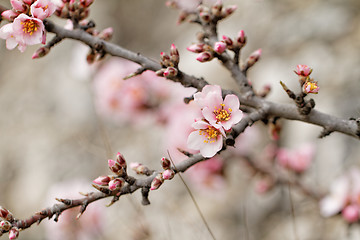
{"x": 325, "y": 132}
{"x": 145, "y": 196}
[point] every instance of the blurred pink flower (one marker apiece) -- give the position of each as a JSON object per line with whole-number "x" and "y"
{"x": 90, "y": 226}
{"x": 343, "y": 197}
{"x": 303, "y": 70}
{"x": 297, "y": 160}
{"x": 219, "y": 47}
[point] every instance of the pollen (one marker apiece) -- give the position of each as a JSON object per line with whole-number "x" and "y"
{"x": 29, "y": 27}
{"x": 222, "y": 114}
{"x": 210, "y": 134}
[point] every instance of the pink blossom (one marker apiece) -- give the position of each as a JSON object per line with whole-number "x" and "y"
{"x": 168, "y": 174}
{"x": 42, "y": 9}
{"x": 222, "y": 113}
{"x": 18, "y": 6}
{"x": 219, "y": 47}
{"x": 311, "y": 87}
{"x": 14, "y": 233}
{"x": 343, "y": 197}
{"x": 6, "y": 32}
{"x": 200, "y": 97}
{"x": 196, "y": 48}
{"x": 297, "y": 160}
{"x": 303, "y": 70}
{"x": 28, "y": 30}
{"x": 206, "y": 138}
{"x": 102, "y": 180}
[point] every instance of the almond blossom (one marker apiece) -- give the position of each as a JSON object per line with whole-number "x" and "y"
{"x": 297, "y": 160}
{"x": 6, "y": 32}
{"x": 303, "y": 70}
{"x": 311, "y": 87}
{"x": 206, "y": 138}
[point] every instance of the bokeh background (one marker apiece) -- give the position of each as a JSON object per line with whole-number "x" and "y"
{"x": 53, "y": 142}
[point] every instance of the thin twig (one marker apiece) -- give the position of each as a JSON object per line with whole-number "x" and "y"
{"x": 292, "y": 213}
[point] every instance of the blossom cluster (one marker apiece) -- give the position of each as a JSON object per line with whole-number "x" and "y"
{"x": 308, "y": 84}
{"x": 26, "y": 27}
{"x": 217, "y": 117}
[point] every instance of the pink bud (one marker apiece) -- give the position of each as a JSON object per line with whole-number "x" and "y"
{"x": 196, "y": 48}
{"x": 174, "y": 50}
{"x": 168, "y": 174}
{"x": 102, "y": 180}
{"x": 351, "y": 213}
{"x": 139, "y": 168}
{"x": 170, "y": 72}
{"x": 204, "y": 57}
{"x": 165, "y": 163}
{"x": 121, "y": 160}
{"x": 205, "y": 16}
{"x": 41, "y": 52}
{"x": 14, "y": 233}
{"x": 9, "y": 15}
{"x": 106, "y": 34}
{"x": 303, "y": 70}
{"x": 253, "y": 58}
{"x": 216, "y": 8}
{"x": 6, "y": 214}
{"x": 157, "y": 181}
{"x": 115, "y": 167}
{"x": 220, "y": 47}
{"x": 115, "y": 184}
{"x": 5, "y": 225}
{"x": 18, "y": 5}
{"x": 241, "y": 38}
{"x": 227, "y": 40}
{"x": 228, "y": 10}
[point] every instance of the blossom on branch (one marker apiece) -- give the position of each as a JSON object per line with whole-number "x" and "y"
{"x": 311, "y": 87}
{"x": 42, "y": 9}
{"x": 303, "y": 70}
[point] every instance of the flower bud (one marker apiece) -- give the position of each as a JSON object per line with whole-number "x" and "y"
{"x": 121, "y": 160}
{"x": 115, "y": 167}
{"x": 174, "y": 54}
{"x": 6, "y": 214}
{"x": 5, "y": 225}
{"x": 205, "y": 57}
{"x": 9, "y": 15}
{"x": 14, "y": 233}
{"x": 253, "y": 58}
{"x": 241, "y": 39}
{"x": 165, "y": 59}
{"x": 216, "y": 8}
{"x": 165, "y": 163}
{"x": 205, "y": 16}
{"x": 115, "y": 184}
{"x": 41, "y": 52}
{"x": 18, "y": 6}
{"x": 139, "y": 168}
{"x": 102, "y": 180}
{"x": 168, "y": 174}
{"x": 219, "y": 47}
{"x": 310, "y": 87}
{"x": 170, "y": 72}
{"x": 196, "y": 48}
{"x": 228, "y": 41}
{"x": 228, "y": 11}
{"x": 303, "y": 70}
{"x": 160, "y": 72}
{"x": 157, "y": 181}
{"x": 106, "y": 34}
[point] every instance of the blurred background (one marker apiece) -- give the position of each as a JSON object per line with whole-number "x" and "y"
{"x": 54, "y": 139}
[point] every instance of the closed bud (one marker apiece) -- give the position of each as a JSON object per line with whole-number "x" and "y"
{"x": 106, "y": 34}
{"x": 196, "y": 48}
{"x": 174, "y": 55}
{"x": 241, "y": 39}
{"x": 157, "y": 181}
{"x": 216, "y": 8}
{"x": 18, "y": 6}
{"x": 115, "y": 167}
{"x": 205, "y": 16}
{"x": 219, "y": 47}
{"x": 116, "y": 184}
{"x": 228, "y": 11}
{"x": 228, "y": 41}
{"x": 5, "y": 225}
{"x": 6, "y": 214}
{"x": 205, "y": 56}
{"x": 253, "y": 58}
{"x": 139, "y": 168}
{"x": 9, "y": 15}
{"x": 41, "y": 52}
{"x": 168, "y": 174}
{"x": 14, "y": 233}
{"x": 102, "y": 180}
{"x": 170, "y": 72}
{"x": 165, "y": 59}
{"x": 165, "y": 163}
{"x": 121, "y": 160}
{"x": 160, "y": 72}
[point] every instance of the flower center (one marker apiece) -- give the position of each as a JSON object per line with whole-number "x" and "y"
{"x": 313, "y": 86}
{"x": 29, "y": 26}
{"x": 210, "y": 133}
{"x": 222, "y": 114}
